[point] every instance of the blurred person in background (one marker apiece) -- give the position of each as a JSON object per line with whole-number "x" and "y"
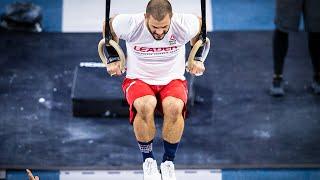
{"x": 287, "y": 19}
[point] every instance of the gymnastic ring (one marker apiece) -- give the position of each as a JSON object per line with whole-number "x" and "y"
{"x": 194, "y": 50}
{"x": 116, "y": 46}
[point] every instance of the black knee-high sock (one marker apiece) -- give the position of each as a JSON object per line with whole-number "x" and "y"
{"x": 314, "y": 48}
{"x": 169, "y": 151}
{"x": 280, "y": 49}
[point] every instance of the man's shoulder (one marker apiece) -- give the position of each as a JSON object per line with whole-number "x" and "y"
{"x": 178, "y": 16}
{"x": 127, "y": 26}
{"x": 181, "y": 19}
{"x": 184, "y": 19}
{"x": 138, "y": 16}
{"x": 133, "y": 16}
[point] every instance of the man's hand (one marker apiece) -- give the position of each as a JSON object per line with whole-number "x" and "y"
{"x": 114, "y": 68}
{"x": 31, "y": 177}
{"x": 197, "y": 68}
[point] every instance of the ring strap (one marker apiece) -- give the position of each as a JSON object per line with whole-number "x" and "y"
{"x": 107, "y": 31}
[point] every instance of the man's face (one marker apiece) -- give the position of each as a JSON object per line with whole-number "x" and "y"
{"x": 158, "y": 29}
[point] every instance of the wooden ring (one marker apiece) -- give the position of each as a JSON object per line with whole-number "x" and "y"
{"x": 194, "y": 50}
{"x": 116, "y": 46}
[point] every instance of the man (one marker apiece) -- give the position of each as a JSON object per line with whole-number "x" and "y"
{"x": 155, "y": 79}
{"x": 288, "y": 14}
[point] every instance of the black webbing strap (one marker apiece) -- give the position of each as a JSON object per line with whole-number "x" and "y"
{"x": 203, "y": 26}
{"x": 107, "y": 31}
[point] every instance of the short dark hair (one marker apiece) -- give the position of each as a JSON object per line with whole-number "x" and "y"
{"x": 158, "y": 9}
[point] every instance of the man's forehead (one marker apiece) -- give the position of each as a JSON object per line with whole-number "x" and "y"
{"x": 165, "y": 20}
{"x": 167, "y": 17}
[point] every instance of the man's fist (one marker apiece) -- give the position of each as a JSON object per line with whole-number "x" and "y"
{"x": 197, "y": 68}
{"x": 114, "y": 68}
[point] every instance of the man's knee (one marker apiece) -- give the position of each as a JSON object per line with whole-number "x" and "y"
{"x": 145, "y": 106}
{"x": 172, "y": 107}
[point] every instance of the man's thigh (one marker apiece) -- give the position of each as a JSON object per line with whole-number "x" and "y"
{"x": 312, "y": 15}
{"x": 177, "y": 89}
{"x": 134, "y": 89}
{"x": 288, "y": 14}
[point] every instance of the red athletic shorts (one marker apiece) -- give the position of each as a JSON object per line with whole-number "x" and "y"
{"x": 135, "y": 88}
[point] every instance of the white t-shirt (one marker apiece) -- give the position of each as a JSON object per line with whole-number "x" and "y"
{"x": 155, "y": 62}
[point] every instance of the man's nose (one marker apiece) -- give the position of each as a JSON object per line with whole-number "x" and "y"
{"x": 159, "y": 31}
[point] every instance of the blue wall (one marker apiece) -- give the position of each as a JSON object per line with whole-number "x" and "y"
{"x": 297, "y": 174}
{"x": 271, "y": 174}
{"x": 22, "y": 175}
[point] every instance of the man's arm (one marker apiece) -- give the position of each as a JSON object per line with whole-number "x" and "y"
{"x": 113, "y": 34}
{"x": 113, "y": 59}
{"x": 198, "y": 66}
{"x": 196, "y": 38}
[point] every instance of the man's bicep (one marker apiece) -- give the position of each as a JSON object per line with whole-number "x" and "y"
{"x": 191, "y": 26}
{"x": 196, "y": 37}
{"x": 113, "y": 34}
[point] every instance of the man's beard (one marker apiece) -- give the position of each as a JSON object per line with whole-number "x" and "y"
{"x": 157, "y": 37}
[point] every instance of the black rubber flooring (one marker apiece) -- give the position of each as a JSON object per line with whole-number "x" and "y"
{"x": 237, "y": 125}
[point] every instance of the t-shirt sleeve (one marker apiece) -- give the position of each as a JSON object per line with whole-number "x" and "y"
{"x": 122, "y": 25}
{"x": 191, "y": 25}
